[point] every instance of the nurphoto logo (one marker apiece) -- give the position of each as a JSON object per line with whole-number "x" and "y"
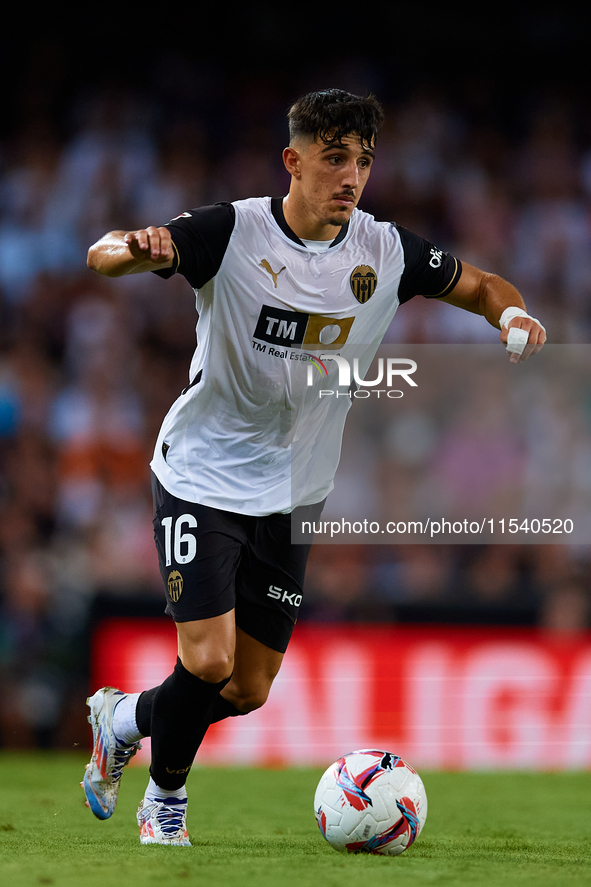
{"x": 389, "y": 371}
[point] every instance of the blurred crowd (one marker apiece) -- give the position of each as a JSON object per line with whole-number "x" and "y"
{"x": 89, "y": 367}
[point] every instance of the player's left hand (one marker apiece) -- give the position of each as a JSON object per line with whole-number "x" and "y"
{"x": 536, "y": 336}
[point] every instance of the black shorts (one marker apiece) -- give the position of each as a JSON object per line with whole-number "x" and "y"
{"x": 213, "y": 561}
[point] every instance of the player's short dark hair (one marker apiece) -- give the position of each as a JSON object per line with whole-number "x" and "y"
{"x": 332, "y": 114}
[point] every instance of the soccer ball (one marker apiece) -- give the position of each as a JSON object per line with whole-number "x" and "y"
{"x": 370, "y": 801}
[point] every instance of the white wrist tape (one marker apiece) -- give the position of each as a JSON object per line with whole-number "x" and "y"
{"x": 509, "y": 313}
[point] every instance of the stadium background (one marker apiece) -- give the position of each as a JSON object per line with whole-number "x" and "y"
{"x": 486, "y": 151}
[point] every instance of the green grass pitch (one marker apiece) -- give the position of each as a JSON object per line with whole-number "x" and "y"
{"x": 256, "y": 827}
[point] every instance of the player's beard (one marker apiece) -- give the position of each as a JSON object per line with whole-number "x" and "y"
{"x": 339, "y": 218}
{"x": 342, "y": 216}
{"x": 337, "y": 222}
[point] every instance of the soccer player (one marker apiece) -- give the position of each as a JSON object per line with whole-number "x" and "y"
{"x": 277, "y": 281}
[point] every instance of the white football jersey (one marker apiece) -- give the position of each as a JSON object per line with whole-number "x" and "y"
{"x": 250, "y": 433}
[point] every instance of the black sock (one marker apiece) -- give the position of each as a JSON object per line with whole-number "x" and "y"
{"x": 222, "y": 709}
{"x": 180, "y": 718}
{"x": 143, "y": 711}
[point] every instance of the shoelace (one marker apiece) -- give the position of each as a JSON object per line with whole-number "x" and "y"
{"x": 171, "y": 817}
{"x": 121, "y": 756}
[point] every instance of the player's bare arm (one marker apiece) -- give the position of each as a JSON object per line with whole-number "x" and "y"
{"x": 490, "y": 295}
{"x": 131, "y": 252}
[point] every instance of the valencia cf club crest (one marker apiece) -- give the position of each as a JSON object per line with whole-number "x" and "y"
{"x": 175, "y": 585}
{"x": 363, "y": 282}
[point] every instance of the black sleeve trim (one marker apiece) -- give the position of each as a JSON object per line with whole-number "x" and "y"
{"x": 200, "y": 239}
{"x": 428, "y": 271}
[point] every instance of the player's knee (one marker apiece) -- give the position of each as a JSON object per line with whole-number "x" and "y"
{"x": 250, "y": 699}
{"x": 214, "y": 672}
{"x": 213, "y": 668}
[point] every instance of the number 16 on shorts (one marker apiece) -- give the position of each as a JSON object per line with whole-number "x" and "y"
{"x": 177, "y": 541}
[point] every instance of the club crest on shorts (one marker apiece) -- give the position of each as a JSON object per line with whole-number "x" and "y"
{"x": 175, "y": 585}
{"x": 363, "y": 282}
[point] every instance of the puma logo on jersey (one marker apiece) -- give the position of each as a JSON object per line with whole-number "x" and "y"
{"x": 274, "y": 274}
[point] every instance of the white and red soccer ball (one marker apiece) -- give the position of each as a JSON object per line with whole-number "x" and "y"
{"x": 370, "y": 801}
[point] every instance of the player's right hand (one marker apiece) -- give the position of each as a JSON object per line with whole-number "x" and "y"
{"x": 534, "y": 335}
{"x": 153, "y": 244}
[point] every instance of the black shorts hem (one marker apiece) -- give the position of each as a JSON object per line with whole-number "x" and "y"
{"x": 198, "y": 614}
{"x": 267, "y": 631}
